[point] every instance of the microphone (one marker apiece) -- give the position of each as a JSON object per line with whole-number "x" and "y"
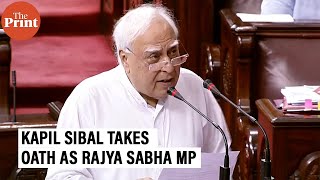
{"x": 265, "y": 163}
{"x": 225, "y": 170}
{"x": 14, "y": 84}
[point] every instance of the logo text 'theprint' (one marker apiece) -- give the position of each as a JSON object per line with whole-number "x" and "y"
{"x": 20, "y": 20}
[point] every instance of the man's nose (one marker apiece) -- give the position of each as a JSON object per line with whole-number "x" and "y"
{"x": 168, "y": 67}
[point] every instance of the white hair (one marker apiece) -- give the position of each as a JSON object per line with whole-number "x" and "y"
{"x": 136, "y": 21}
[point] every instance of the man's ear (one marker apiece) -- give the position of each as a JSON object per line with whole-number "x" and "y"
{"x": 124, "y": 60}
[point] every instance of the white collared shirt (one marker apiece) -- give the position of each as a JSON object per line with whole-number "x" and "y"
{"x": 108, "y": 100}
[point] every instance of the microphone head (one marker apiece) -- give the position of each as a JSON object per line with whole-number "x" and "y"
{"x": 206, "y": 83}
{"x": 173, "y": 92}
{"x": 210, "y": 86}
{"x": 13, "y": 77}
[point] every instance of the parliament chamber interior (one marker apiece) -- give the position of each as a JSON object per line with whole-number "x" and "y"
{"x": 249, "y": 62}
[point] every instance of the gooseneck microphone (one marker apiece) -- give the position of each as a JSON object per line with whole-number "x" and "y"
{"x": 14, "y": 85}
{"x": 225, "y": 170}
{"x": 265, "y": 163}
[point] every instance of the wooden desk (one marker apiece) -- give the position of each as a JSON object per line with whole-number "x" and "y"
{"x": 9, "y": 138}
{"x": 257, "y": 60}
{"x": 291, "y": 136}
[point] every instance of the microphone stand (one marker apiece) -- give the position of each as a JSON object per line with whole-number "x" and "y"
{"x": 266, "y": 162}
{"x": 224, "y": 173}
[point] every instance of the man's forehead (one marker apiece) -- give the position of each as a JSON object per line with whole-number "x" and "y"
{"x": 158, "y": 47}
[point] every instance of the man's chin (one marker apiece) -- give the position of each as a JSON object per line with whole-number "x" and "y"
{"x": 163, "y": 93}
{"x": 163, "y": 97}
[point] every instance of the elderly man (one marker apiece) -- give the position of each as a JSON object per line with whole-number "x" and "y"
{"x": 134, "y": 94}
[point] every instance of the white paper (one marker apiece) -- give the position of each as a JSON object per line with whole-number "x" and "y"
{"x": 245, "y": 17}
{"x": 210, "y": 168}
{"x": 298, "y": 94}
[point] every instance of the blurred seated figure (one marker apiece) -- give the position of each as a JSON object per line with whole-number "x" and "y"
{"x": 298, "y": 9}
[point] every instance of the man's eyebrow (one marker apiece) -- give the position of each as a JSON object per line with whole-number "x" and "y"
{"x": 173, "y": 44}
{"x": 154, "y": 49}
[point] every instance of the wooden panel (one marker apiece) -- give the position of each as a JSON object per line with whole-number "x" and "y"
{"x": 5, "y": 61}
{"x": 291, "y": 136}
{"x": 9, "y": 138}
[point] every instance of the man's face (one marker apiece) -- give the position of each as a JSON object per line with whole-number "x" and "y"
{"x": 157, "y": 43}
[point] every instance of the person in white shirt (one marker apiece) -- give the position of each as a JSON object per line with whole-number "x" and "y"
{"x": 298, "y": 9}
{"x": 134, "y": 94}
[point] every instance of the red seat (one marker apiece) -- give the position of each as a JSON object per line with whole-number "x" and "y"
{"x": 73, "y": 43}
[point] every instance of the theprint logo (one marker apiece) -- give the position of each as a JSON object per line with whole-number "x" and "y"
{"x": 20, "y": 20}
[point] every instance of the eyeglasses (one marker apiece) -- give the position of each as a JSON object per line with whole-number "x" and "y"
{"x": 153, "y": 60}
{"x": 174, "y": 61}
